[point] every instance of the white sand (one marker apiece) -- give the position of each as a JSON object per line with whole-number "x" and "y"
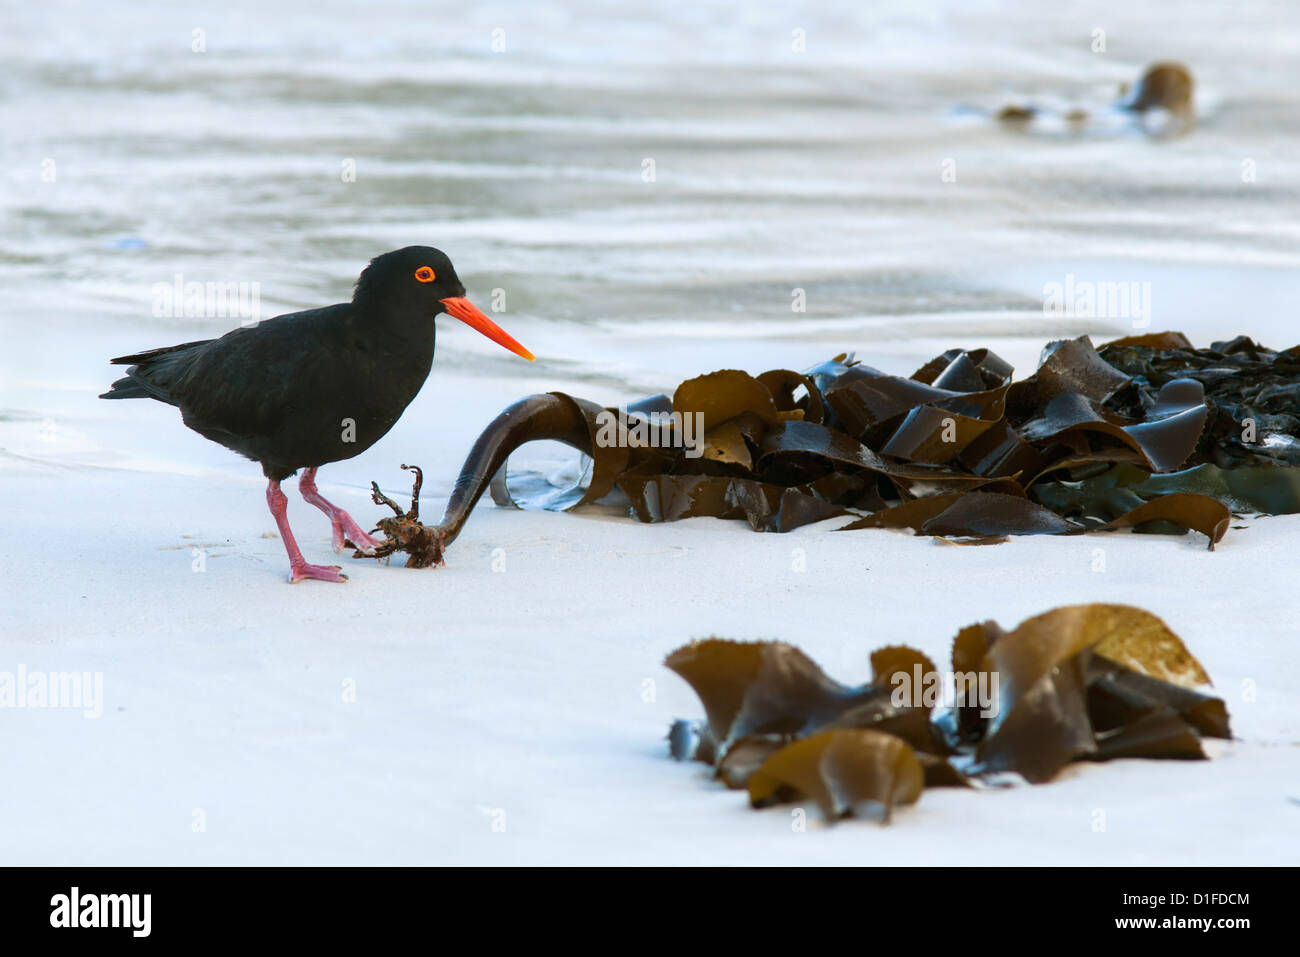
{"x": 538, "y": 690}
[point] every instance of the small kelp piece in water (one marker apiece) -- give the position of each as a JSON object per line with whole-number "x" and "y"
{"x": 1079, "y": 683}
{"x": 842, "y": 771}
{"x": 1165, "y": 86}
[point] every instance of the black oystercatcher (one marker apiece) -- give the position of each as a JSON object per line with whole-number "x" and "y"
{"x": 307, "y": 388}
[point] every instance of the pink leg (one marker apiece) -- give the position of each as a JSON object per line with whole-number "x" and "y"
{"x": 299, "y": 570}
{"x": 345, "y": 526}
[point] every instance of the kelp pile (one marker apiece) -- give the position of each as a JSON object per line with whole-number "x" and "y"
{"x": 1079, "y": 683}
{"x": 1149, "y": 434}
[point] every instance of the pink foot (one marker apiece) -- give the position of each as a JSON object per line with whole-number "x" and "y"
{"x": 347, "y": 531}
{"x": 343, "y": 526}
{"x": 321, "y": 573}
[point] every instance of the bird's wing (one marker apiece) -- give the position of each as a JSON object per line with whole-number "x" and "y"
{"x": 243, "y": 384}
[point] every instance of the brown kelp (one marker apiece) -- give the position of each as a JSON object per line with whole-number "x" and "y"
{"x": 1163, "y": 90}
{"x": 1079, "y": 683}
{"x": 1147, "y": 433}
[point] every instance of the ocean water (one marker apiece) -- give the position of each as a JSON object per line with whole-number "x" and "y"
{"x": 647, "y": 191}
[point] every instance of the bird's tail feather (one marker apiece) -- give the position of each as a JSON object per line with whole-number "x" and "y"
{"x": 153, "y": 373}
{"x": 129, "y": 387}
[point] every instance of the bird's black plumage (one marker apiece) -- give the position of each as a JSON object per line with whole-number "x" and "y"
{"x": 311, "y": 387}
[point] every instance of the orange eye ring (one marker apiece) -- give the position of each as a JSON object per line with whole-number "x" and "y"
{"x": 425, "y": 274}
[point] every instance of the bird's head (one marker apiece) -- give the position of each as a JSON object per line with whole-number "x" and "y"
{"x": 423, "y": 279}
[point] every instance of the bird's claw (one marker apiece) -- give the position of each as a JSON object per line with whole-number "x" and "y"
{"x": 324, "y": 573}
{"x": 364, "y": 545}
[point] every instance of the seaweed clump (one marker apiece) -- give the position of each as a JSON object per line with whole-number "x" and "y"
{"x": 1079, "y": 683}
{"x": 1147, "y": 433}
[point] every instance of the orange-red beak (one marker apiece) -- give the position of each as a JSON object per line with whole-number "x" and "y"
{"x": 468, "y": 313}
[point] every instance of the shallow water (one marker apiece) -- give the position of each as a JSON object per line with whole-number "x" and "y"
{"x": 775, "y": 170}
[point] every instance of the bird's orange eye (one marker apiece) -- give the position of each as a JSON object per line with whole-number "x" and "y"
{"x": 425, "y": 274}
